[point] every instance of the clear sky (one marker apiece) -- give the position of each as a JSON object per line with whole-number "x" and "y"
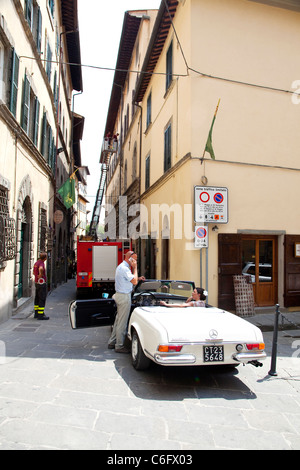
{"x": 100, "y": 27}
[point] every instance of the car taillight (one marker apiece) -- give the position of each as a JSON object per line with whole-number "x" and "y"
{"x": 170, "y": 348}
{"x": 257, "y": 346}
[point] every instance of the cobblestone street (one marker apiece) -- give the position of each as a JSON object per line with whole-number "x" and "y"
{"x": 63, "y": 389}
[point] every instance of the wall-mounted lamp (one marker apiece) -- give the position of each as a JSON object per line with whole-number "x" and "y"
{"x": 215, "y": 228}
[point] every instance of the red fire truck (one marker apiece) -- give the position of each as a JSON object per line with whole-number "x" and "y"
{"x": 96, "y": 266}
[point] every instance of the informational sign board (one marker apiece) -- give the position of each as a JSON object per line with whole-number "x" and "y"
{"x": 211, "y": 204}
{"x": 201, "y": 236}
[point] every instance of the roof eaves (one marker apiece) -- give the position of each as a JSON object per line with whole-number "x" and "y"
{"x": 69, "y": 11}
{"x": 130, "y": 30}
{"x": 157, "y": 41}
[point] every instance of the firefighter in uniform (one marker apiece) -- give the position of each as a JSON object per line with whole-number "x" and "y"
{"x": 40, "y": 279}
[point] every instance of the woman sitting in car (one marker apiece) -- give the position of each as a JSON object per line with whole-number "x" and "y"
{"x": 197, "y": 300}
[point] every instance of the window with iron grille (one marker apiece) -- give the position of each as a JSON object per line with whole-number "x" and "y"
{"x": 7, "y": 230}
{"x": 42, "y": 230}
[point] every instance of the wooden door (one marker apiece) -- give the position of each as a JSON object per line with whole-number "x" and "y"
{"x": 252, "y": 255}
{"x": 230, "y": 264}
{"x": 259, "y": 260}
{"x": 292, "y": 272}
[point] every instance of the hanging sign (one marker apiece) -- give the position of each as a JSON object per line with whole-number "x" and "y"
{"x": 201, "y": 236}
{"x": 211, "y": 204}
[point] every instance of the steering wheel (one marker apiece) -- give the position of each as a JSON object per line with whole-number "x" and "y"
{"x": 145, "y": 299}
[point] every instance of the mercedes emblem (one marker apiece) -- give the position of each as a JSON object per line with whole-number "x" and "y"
{"x": 213, "y": 334}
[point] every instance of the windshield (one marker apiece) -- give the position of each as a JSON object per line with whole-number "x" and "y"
{"x": 183, "y": 289}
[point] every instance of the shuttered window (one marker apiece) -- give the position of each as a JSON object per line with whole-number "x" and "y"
{"x": 51, "y": 7}
{"x": 44, "y": 135}
{"x": 25, "y": 105}
{"x": 149, "y": 106}
{"x": 168, "y": 148}
{"x": 14, "y": 83}
{"x": 169, "y": 66}
{"x": 28, "y": 12}
{"x": 36, "y": 121}
{"x": 39, "y": 31}
{"x": 55, "y": 91}
{"x": 147, "y": 173}
{"x": 49, "y": 59}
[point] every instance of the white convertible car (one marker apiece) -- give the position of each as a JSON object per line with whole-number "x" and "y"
{"x": 191, "y": 336}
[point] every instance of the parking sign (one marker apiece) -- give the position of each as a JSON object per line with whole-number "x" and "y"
{"x": 201, "y": 236}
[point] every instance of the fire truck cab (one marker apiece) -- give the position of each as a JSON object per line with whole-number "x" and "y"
{"x": 96, "y": 266}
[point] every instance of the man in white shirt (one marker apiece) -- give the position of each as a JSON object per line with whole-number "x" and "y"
{"x": 125, "y": 279}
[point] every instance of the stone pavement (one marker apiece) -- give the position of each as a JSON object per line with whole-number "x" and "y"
{"x": 63, "y": 389}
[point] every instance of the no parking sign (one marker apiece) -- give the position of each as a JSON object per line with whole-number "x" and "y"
{"x": 201, "y": 236}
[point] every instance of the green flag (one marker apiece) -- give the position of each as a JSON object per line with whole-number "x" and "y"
{"x": 209, "y": 147}
{"x": 67, "y": 192}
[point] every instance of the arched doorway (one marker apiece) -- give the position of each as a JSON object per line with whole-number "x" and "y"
{"x": 24, "y": 261}
{"x": 24, "y": 230}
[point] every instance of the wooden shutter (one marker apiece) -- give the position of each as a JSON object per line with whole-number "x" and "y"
{"x": 26, "y": 105}
{"x": 39, "y": 31}
{"x": 167, "y": 150}
{"x": 49, "y": 63}
{"x": 292, "y": 272}
{"x": 230, "y": 264}
{"x": 36, "y": 121}
{"x": 169, "y": 66}
{"x": 28, "y": 12}
{"x": 147, "y": 171}
{"x": 53, "y": 156}
{"x": 44, "y": 135}
{"x": 149, "y": 106}
{"x": 14, "y": 83}
{"x": 50, "y": 146}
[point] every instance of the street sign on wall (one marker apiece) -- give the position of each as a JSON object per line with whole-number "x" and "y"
{"x": 211, "y": 204}
{"x": 201, "y": 236}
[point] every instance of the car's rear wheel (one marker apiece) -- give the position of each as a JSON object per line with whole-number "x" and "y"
{"x": 139, "y": 360}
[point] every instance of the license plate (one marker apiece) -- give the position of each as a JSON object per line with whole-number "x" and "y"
{"x": 213, "y": 353}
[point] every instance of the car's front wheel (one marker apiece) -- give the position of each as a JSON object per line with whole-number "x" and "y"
{"x": 139, "y": 360}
